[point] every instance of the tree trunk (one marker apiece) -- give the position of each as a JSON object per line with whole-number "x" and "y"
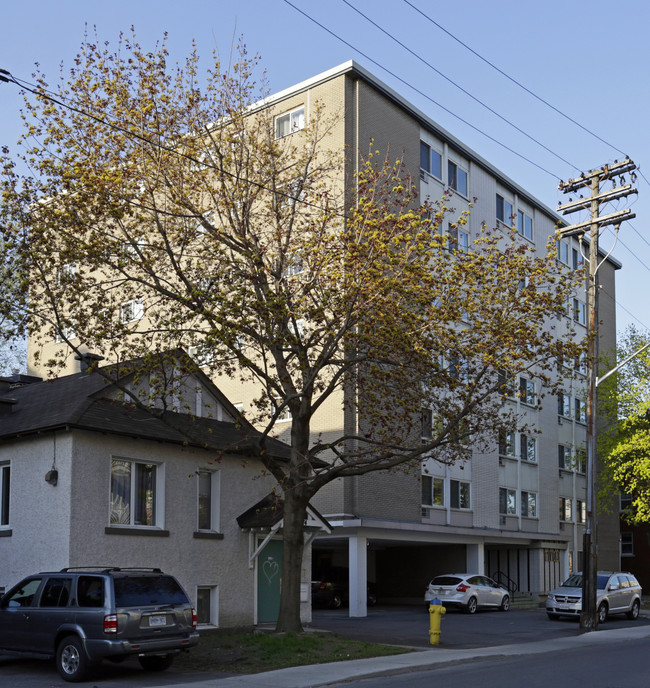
{"x": 295, "y": 512}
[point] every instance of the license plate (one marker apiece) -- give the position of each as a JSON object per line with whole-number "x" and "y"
{"x": 158, "y": 620}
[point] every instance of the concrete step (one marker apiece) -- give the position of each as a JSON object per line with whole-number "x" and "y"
{"x": 524, "y": 600}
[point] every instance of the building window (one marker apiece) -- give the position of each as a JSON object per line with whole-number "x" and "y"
{"x": 204, "y": 225}
{"x": 132, "y": 249}
{"x": 134, "y": 493}
{"x": 564, "y": 458}
{"x": 506, "y": 383}
{"x": 578, "y": 260}
{"x": 579, "y": 311}
{"x": 67, "y": 273}
{"x": 580, "y": 364}
{"x": 130, "y": 311}
{"x": 626, "y": 502}
{"x": 528, "y": 448}
{"x": 504, "y": 210}
{"x": 525, "y": 225}
{"x": 563, "y": 252}
{"x": 457, "y": 239}
{"x": 459, "y": 494}
{"x": 5, "y": 483}
{"x": 426, "y": 421}
{"x": 295, "y": 266}
{"x": 433, "y": 492}
{"x": 65, "y": 333}
{"x": 430, "y": 160}
{"x": 580, "y": 410}
{"x": 507, "y": 502}
{"x": 528, "y": 504}
{"x": 566, "y": 509}
{"x": 285, "y": 413}
{"x": 207, "y": 605}
{"x": 507, "y": 443}
{"x": 291, "y": 121}
{"x": 527, "y": 391}
{"x": 456, "y": 178}
{"x": 581, "y": 511}
{"x": 564, "y": 405}
{"x": 208, "y": 500}
{"x": 627, "y": 544}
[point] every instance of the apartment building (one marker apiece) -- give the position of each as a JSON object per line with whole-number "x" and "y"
{"x": 516, "y": 513}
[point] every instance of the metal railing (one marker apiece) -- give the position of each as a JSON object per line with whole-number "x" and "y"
{"x": 503, "y": 579}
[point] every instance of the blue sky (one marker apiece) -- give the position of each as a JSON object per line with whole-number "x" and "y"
{"x": 590, "y": 61}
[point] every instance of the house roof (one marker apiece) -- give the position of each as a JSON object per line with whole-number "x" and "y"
{"x": 270, "y": 510}
{"x": 83, "y": 401}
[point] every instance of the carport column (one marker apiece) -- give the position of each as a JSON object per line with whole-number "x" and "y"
{"x": 476, "y": 558}
{"x": 358, "y": 559}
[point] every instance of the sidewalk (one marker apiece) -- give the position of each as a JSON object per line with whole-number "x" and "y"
{"x": 315, "y": 675}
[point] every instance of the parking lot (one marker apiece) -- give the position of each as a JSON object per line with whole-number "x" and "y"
{"x": 409, "y": 626}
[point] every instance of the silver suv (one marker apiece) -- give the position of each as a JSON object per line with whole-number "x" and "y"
{"x": 617, "y": 593}
{"x": 82, "y": 616}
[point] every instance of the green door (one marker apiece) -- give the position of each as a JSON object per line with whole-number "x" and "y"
{"x": 269, "y": 582}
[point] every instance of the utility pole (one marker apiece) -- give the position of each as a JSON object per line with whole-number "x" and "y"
{"x": 593, "y": 180}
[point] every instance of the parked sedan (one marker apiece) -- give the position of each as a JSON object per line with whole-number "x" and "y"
{"x": 617, "y": 593}
{"x": 470, "y": 591}
{"x": 334, "y": 593}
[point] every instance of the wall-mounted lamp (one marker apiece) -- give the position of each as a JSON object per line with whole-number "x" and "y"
{"x": 52, "y": 477}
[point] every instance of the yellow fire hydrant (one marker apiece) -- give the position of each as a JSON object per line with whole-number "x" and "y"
{"x": 436, "y": 610}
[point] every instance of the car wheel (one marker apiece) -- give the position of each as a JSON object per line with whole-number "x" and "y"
{"x": 551, "y": 616}
{"x": 471, "y": 605}
{"x": 634, "y": 612}
{"x": 602, "y": 612}
{"x": 156, "y": 662}
{"x": 71, "y": 661}
{"x": 337, "y": 601}
{"x": 505, "y": 603}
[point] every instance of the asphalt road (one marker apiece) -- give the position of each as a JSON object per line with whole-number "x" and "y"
{"x": 622, "y": 664}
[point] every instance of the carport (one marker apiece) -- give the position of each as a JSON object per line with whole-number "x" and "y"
{"x": 401, "y": 558}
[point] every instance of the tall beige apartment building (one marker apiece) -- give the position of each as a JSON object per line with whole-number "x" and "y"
{"x": 516, "y": 514}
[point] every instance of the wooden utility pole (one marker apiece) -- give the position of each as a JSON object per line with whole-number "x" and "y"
{"x": 593, "y": 181}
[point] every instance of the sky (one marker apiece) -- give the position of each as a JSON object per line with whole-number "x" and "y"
{"x": 456, "y": 61}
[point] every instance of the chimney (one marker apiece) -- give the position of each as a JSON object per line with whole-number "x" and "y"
{"x": 88, "y": 362}
{"x": 16, "y": 380}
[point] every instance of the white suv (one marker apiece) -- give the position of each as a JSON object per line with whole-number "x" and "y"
{"x": 617, "y": 593}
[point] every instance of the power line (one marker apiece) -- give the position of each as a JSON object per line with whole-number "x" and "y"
{"x": 514, "y": 81}
{"x": 424, "y": 95}
{"x": 459, "y": 87}
{"x": 7, "y": 77}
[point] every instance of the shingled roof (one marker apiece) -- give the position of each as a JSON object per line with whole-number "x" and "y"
{"x": 83, "y": 401}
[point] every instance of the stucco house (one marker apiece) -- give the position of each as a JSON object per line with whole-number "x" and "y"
{"x": 87, "y": 479}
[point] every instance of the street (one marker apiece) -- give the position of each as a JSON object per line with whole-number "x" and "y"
{"x": 624, "y": 664}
